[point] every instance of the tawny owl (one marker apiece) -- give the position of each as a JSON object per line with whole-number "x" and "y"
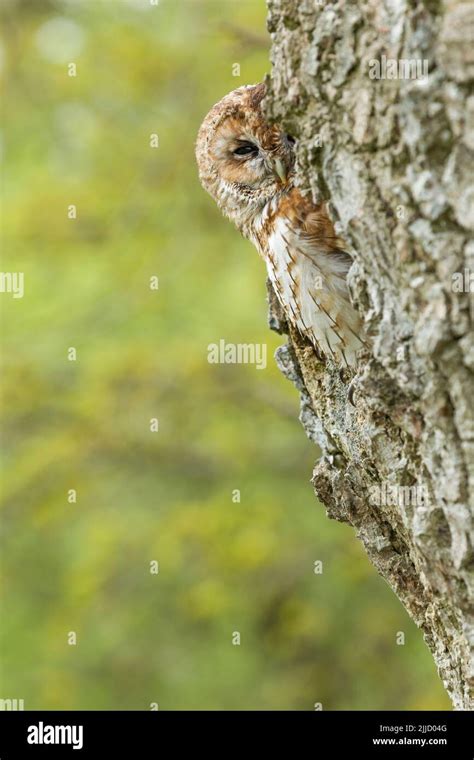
{"x": 247, "y": 166}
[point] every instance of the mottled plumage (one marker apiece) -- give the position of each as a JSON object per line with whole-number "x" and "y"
{"x": 247, "y": 166}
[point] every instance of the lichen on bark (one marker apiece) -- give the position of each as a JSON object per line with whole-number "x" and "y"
{"x": 393, "y": 157}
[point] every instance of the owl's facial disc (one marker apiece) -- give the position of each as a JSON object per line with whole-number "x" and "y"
{"x": 262, "y": 160}
{"x": 244, "y": 162}
{"x": 274, "y": 164}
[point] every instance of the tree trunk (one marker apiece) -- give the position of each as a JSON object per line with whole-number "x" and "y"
{"x": 393, "y": 155}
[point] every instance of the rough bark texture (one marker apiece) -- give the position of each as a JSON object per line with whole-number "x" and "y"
{"x": 394, "y": 157}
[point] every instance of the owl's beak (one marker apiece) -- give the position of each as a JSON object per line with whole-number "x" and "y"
{"x": 280, "y": 169}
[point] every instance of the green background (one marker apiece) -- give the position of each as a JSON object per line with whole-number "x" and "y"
{"x": 85, "y": 425}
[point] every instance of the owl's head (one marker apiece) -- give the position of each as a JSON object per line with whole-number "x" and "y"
{"x": 243, "y": 160}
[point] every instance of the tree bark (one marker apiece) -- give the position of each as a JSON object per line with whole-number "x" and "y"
{"x": 394, "y": 157}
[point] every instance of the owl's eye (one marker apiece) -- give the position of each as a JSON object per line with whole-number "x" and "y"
{"x": 291, "y": 139}
{"x": 246, "y": 149}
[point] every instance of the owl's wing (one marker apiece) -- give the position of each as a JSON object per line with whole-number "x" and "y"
{"x": 309, "y": 277}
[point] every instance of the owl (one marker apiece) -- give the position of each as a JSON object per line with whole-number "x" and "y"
{"x": 247, "y": 166}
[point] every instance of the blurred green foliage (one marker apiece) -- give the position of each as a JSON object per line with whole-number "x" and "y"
{"x": 85, "y": 425}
